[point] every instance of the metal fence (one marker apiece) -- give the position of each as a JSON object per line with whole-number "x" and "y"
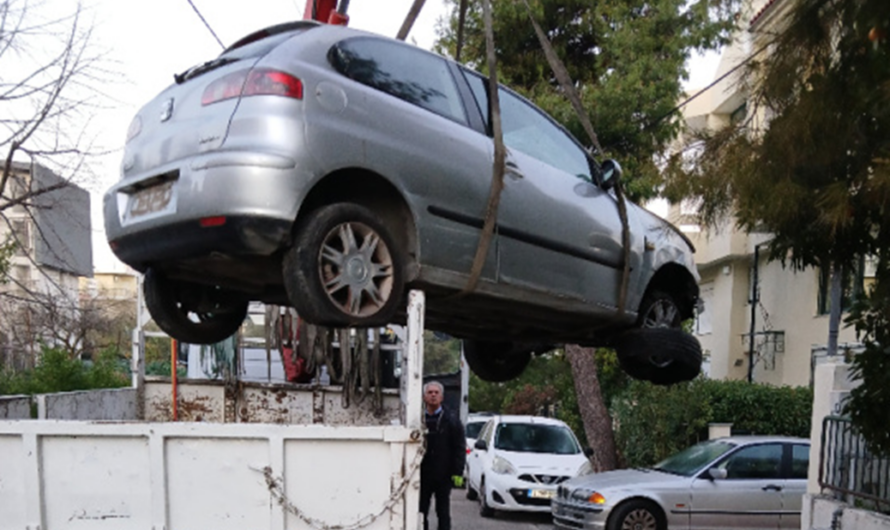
{"x": 849, "y": 470}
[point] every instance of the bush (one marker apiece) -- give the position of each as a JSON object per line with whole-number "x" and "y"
{"x": 653, "y": 422}
{"x": 57, "y": 372}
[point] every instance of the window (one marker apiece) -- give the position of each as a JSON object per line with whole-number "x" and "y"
{"x": 754, "y": 462}
{"x": 703, "y": 320}
{"x": 400, "y": 70}
{"x": 529, "y": 438}
{"x": 23, "y": 236}
{"x": 800, "y": 461}
{"x": 853, "y": 283}
{"x": 530, "y": 131}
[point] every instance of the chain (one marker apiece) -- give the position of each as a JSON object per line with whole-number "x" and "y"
{"x": 276, "y": 488}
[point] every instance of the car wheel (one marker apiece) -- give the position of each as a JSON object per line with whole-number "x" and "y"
{"x": 663, "y": 356}
{"x": 471, "y": 493}
{"x": 344, "y": 268}
{"x": 496, "y": 362}
{"x": 189, "y": 312}
{"x": 637, "y": 515}
{"x": 659, "y": 310}
{"x": 484, "y": 509}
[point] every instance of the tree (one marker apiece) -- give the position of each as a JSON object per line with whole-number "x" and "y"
{"x": 816, "y": 175}
{"x": 627, "y": 60}
{"x": 50, "y": 89}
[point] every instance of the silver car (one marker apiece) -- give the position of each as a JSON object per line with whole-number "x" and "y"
{"x": 331, "y": 169}
{"x": 728, "y": 483}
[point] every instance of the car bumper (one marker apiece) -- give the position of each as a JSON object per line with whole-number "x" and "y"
{"x": 256, "y": 194}
{"x": 578, "y": 517}
{"x": 508, "y": 493}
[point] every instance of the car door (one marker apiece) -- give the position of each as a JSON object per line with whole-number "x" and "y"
{"x": 557, "y": 230}
{"x": 795, "y": 485}
{"x": 750, "y": 495}
{"x": 478, "y": 458}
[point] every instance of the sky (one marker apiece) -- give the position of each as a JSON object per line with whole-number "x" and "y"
{"x": 147, "y": 42}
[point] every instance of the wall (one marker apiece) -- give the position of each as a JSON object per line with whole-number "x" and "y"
{"x": 106, "y": 404}
{"x": 15, "y": 407}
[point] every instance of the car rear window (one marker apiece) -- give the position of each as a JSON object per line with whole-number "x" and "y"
{"x": 408, "y": 73}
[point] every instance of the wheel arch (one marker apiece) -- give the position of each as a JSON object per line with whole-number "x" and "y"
{"x": 675, "y": 280}
{"x": 659, "y": 509}
{"x": 369, "y": 189}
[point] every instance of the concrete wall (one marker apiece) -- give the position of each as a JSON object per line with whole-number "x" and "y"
{"x": 821, "y": 512}
{"x": 15, "y": 407}
{"x": 106, "y": 404}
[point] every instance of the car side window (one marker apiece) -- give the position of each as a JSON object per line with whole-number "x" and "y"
{"x": 800, "y": 461}
{"x": 754, "y": 462}
{"x": 403, "y": 71}
{"x": 529, "y": 130}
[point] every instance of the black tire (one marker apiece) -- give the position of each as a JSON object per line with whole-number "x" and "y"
{"x": 496, "y": 362}
{"x": 637, "y": 514}
{"x": 376, "y": 273}
{"x": 471, "y": 493}
{"x": 663, "y": 356}
{"x": 484, "y": 509}
{"x": 191, "y": 313}
{"x": 659, "y": 310}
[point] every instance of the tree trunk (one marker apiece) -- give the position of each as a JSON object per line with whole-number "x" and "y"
{"x": 837, "y": 302}
{"x": 594, "y": 415}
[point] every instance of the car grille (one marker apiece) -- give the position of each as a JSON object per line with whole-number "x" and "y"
{"x": 543, "y": 479}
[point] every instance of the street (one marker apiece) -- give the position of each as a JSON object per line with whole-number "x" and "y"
{"x": 465, "y": 516}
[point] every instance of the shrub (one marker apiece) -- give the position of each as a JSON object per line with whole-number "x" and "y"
{"x": 57, "y": 372}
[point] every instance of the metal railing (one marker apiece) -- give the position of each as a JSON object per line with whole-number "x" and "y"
{"x": 849, "y": 470}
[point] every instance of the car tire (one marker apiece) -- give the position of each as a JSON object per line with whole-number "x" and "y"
{"x": 496, "y": 362}
{"x": 659, "y": 310}
{"x": 484, "y": 509}
{"x": 471, "y": 493}
{"x": 637, "y": 514}
{"x": 169, "y": 303}
{"x": 338, "y": 251}
{"x": 663, "y": 356}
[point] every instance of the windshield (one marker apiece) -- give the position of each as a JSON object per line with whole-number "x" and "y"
{"x": 532, "y": 438}
{"x": 688, "y": 461}
{"x": 473, "y": 428}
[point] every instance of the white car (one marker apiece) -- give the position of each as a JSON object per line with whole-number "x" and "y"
{"x": 517, "y": 463}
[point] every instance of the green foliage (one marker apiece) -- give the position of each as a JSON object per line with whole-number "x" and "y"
{"x": 654, "y": 422}
{"x": 57, "y": 372}
{"x": 440, "y": 355}
{"x": 626, "y": 58}
{"x": 869, "y": 402}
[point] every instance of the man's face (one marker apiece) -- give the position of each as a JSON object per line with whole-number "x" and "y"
{"x": 432, "y": 396}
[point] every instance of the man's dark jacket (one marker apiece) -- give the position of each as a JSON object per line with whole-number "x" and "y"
{"x": 446, "y": 447}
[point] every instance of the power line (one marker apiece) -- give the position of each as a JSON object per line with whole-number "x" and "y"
{"x": 221, "y": 45}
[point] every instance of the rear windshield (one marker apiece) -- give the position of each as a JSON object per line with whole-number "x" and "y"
{"x": 532, "y": 438}
{"x": 473, "y": 428}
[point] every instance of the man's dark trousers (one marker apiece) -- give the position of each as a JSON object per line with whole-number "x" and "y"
{"x": 442, "y": 491}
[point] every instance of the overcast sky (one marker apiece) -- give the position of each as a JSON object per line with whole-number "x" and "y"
{"x": 147, "y": 42}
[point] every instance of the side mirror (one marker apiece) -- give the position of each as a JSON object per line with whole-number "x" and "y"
{"x": 717, "y": 473}
{"x": 611, "y": 174}
{"x": 481, "y": 445}
{"x": 588, "y": 452}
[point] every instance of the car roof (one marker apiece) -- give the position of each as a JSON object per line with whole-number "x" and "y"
{"x": 754, "y": 439}
{"x": 540, "y": 420}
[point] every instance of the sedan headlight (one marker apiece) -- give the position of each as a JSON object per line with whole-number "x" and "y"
{"x": 502, "y": 466}
{"x": 585, "y": 469}
{"x": 588, "y": 495}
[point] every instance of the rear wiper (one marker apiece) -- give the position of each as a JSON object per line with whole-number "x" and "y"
{"x": 195, "y": 71}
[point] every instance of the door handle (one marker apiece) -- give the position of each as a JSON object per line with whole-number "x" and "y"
{"x": 512, "y": 170}
{"x": 772, "y": 487}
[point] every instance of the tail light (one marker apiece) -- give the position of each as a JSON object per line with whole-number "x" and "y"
{"x": 253, "y": 82}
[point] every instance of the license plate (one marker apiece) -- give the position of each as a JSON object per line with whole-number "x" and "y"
{"x": 153, "y": 200}
{"x": 541, "y": 494}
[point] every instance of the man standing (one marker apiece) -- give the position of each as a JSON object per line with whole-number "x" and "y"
{"x": 446, "y": 453}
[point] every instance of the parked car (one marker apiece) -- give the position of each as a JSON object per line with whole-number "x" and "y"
{"x": 475, "y": 422}
{"x": 735, "y": 482}
{"x": 518, "y": 461}
{"x": 331, "y": 169}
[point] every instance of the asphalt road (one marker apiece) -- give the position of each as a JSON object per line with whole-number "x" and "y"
{"x": 465, "y": 516}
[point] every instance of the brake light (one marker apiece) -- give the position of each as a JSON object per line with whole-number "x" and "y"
{"x": 255, "y": 82}
{"x": 209, "y": 222}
